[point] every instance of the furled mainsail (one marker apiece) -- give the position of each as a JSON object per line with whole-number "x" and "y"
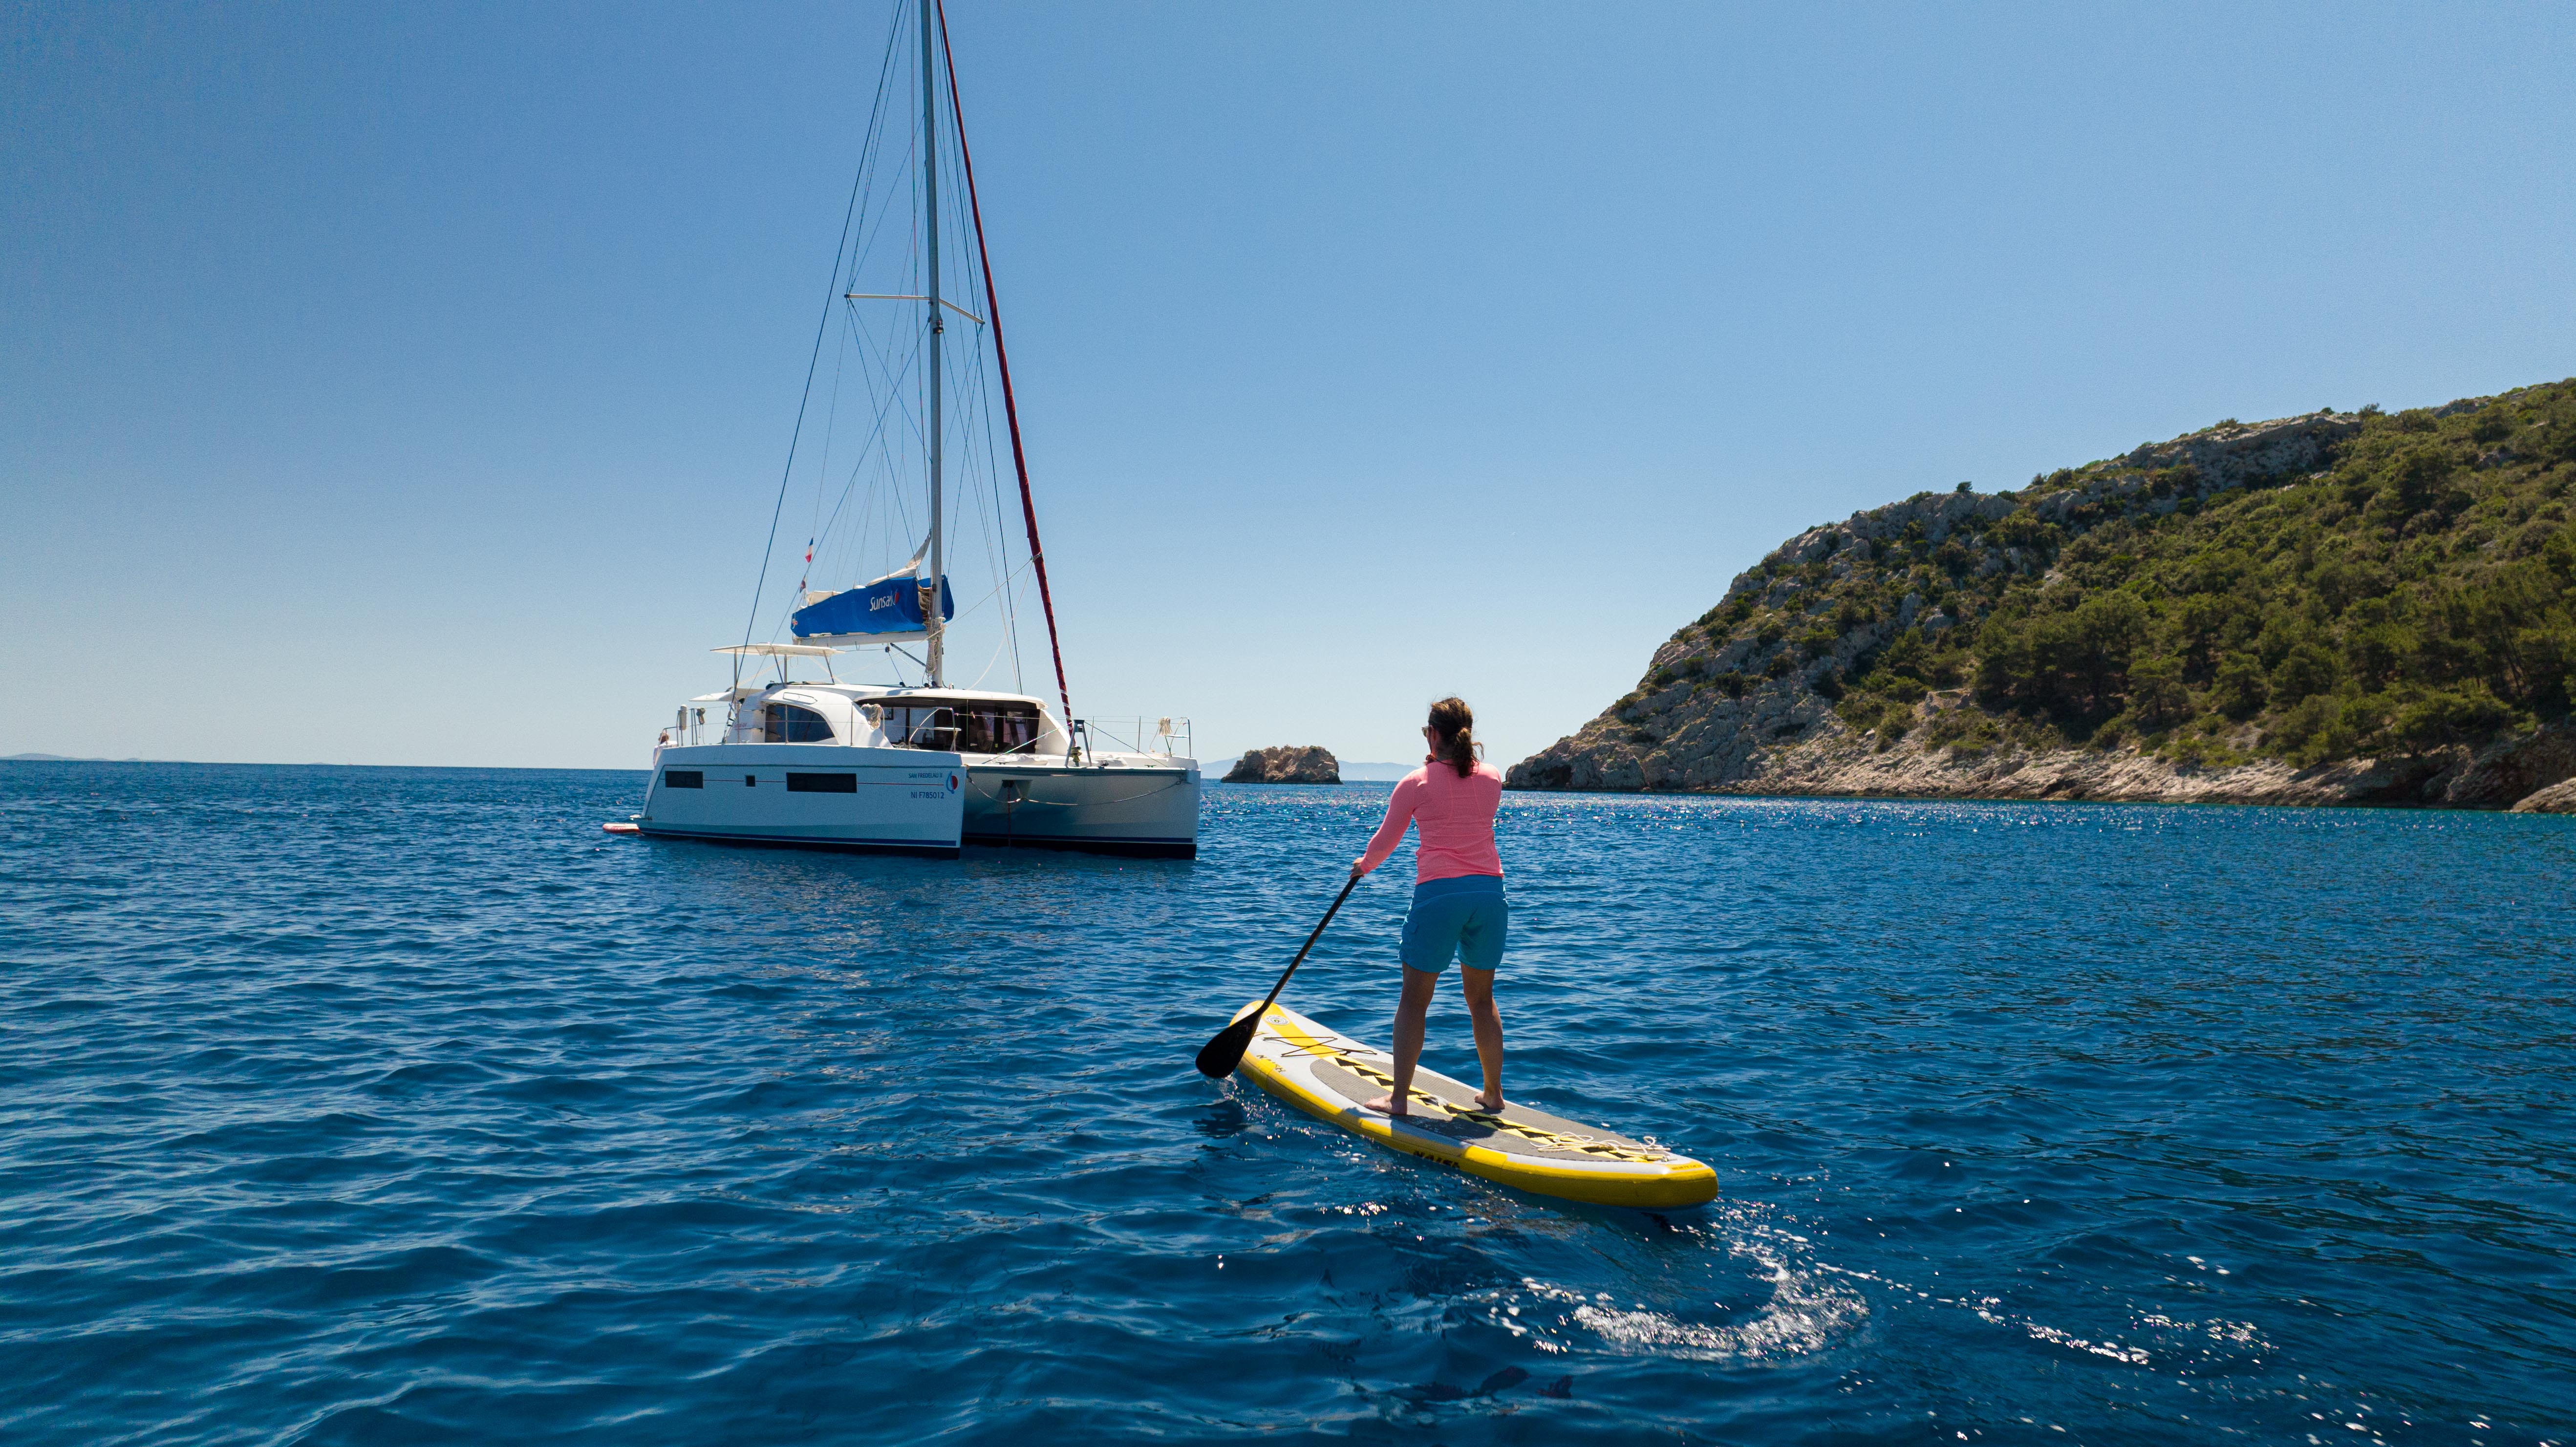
{"x": 880, "y": 611}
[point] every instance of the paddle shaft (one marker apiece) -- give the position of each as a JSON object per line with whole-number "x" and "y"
{"x": 1221, "y": 1055}
{"x": 1310, "y": 944}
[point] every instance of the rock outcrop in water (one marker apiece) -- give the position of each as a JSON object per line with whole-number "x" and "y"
{"x": 1286, "y": 764}
{"x": 2336, "y": 608}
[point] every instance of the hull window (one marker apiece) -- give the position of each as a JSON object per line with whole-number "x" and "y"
{"x": 684, "y": 778}
{"x": 785, "y": 723}
{"x": 822, "y": 783}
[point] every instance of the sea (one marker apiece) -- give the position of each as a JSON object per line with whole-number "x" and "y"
{"x": 349, "y": 1105}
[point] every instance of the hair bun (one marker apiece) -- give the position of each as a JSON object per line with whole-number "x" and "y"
{"x": 1454, "y": 725}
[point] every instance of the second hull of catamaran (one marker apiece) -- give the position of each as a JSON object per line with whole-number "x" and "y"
{"x": 1111, "y": 804}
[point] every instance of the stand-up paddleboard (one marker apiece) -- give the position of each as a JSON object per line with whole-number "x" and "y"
{"x": 1330, "y": 1075}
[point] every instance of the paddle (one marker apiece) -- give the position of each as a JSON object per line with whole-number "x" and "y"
{"x": 1219, "y": 1056}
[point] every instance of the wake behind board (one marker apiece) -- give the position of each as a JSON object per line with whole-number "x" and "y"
{"x": 1329, "y": 1075}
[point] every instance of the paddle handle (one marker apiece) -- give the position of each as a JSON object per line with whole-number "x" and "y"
{"x": 1310, "y": 944}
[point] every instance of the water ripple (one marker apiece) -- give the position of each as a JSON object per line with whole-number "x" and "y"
{"x": 347, "y": 1105}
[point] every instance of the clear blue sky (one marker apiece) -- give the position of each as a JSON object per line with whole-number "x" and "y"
{"x": 408, "y": 384}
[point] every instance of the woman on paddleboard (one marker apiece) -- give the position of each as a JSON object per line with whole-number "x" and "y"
{"x": 1458, "y": 905}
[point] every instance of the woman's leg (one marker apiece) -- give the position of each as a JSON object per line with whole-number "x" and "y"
{"x": 1409, "y": 1010}
{"x": 1479, "y": 985}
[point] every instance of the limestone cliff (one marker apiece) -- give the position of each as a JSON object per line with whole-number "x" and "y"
{"x": 2330, "y": 608}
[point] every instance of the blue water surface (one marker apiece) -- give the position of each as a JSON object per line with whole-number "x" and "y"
{"x": 372, "y": 1105}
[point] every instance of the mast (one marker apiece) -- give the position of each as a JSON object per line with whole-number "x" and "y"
{"x": 930, "y": 249}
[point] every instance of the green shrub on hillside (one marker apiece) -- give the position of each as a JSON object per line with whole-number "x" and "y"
{"x": 2417, "y": 592}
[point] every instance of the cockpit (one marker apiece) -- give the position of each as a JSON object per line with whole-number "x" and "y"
{"x": 943, "y": 723}
{"x": 961, "y": 725}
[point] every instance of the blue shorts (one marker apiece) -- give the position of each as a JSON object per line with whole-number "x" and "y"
{"x": 1464, "y": 917}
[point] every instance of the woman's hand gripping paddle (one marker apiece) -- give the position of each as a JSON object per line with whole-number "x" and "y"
{"x": 1219, "y": 1056}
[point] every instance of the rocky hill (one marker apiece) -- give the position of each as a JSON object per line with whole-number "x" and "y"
{"x": 2335, "y": 608}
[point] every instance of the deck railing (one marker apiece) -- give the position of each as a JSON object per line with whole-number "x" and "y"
{"x": 696, "y": 724}
{"x": 1169, "y": 737}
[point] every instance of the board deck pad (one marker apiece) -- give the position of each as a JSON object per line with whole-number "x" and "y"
{"x": 1451, "y": 1108}
{"x": 1332, "y": 1076}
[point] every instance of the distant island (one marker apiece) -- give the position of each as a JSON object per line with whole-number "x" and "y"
{"x": 67, "y": 759}
{"x": 1286, "y": 764}
{"x": 2337, "y": 608}
{"x": 1351, "y": 772}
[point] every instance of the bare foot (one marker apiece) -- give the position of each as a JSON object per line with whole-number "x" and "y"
{"x": 1384, "y": 1105}
{"x": 1492, "y": 1101}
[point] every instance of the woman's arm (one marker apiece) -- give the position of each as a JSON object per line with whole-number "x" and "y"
{"x": 1399, "y": 813}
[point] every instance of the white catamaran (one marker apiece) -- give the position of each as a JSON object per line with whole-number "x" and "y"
{"x": 921, "y": 767}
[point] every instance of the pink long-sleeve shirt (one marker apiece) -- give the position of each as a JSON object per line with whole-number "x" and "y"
{"x": 1455, "y": 815}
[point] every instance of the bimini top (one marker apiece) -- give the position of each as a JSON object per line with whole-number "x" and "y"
{"x": 779, "y": 650}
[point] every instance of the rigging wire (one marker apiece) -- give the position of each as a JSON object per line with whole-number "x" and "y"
{"x": 1006, "y": 589}
{"x": 875, "y": 448}
{"x": 989, "y": 531}
{"x": 899, "y": 414}
{"x": 871, "y": 219}
{"x": 983, "y": 455}
{"x": 795, "y": 435}
{"x": 789, "y": 471}
{"x": 884, "y": 479}
{"x": 1002, "y": 361}
{"x": 823, "y": 469}
{"x": 993, "y": 473}
{"x": 872, "y": 213}
{"x": 853, "y": 325}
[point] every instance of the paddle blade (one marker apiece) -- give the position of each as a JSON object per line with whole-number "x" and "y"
{"x": 1219, "y": 1056}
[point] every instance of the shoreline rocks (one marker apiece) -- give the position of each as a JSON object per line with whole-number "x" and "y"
{"x": 2532, "y": 773}
{"x": 2559, "y": 798}
{"x": 1286, "y": 764}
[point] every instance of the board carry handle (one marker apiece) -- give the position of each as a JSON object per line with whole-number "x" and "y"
{"x": 1219, "y": 1057}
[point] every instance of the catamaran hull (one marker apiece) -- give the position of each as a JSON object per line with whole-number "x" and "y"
{"x": 913, "y": 801}
{"x": 819, "y": 796}
{"x": 1134, "y": 810}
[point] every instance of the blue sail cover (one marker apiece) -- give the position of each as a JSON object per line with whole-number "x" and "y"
{"x": 888, "y": 606}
